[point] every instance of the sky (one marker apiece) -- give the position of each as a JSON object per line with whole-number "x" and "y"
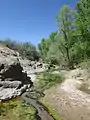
{"x": 29, "y": 20}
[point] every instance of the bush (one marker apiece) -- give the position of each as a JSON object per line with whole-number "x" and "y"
{"x": 80, "y": 51}
{"x": 10, "y": 44}
{"x": 26, "y": 49}
{"x": 49, "y": 77}
{"x": 46, "y": 80}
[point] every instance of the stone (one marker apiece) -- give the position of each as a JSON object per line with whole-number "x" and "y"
{"x": 13, "y": 81}
{"x": 9, "y": 84}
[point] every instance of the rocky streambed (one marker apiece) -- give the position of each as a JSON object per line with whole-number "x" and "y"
{"x": 41, "y": 111}
{"x": 16, "y": 76}
{"x": 13, "y": 81}
{"x": 31, "y": 97}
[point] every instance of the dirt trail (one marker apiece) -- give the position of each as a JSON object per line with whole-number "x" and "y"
{"x": 68, "y": 100}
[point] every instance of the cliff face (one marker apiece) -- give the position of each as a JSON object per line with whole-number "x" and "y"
{"x": 13, "y": 81}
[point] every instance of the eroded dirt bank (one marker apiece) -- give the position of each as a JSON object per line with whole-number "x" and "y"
{"x": 67, "y": 99}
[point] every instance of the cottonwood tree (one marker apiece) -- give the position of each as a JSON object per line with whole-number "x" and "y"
{"x": 65, "y": 21}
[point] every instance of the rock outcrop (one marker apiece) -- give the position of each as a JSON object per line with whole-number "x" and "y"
{"x": 32, "y": 67}
{"x": 13, "y": 81}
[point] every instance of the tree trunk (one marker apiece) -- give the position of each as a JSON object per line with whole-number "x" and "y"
{"x": 70, "y": 62}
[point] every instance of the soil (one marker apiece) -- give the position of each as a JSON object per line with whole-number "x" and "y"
{"x": 68, "y": 100}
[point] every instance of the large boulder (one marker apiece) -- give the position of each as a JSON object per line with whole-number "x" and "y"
{"x": 9, "y": 84}
{"x": 13, "y": 81}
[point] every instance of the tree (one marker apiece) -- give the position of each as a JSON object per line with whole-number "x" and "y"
{"x": 65, "y": 20}
{"x": 45, "y": 48}
{"x": 71, "y": 43}
{"x": 83, "y": 26}
{"x": 83, "y": 18}
{"x": 29, "y": 51}
{"x": 52, "y": 36}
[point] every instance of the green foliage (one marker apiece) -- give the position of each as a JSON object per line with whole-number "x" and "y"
{"x": 65, "y": 20}
{"x": 25, "y": 49}
{"x": 44, "y": 47}
{"x": 53, "y": 54}
{"x": 81, "y": 49}
{"x": 51, "y": 77}
{"x": 46, "y": 80}
{"x": 29, "y": 51}
{"x": 16, "y": 110}
{"x": 52, "y": 35}
{"x": 83, "y": 19}
{"x": 70, "y": 45}
{"x": 9, "y": 43}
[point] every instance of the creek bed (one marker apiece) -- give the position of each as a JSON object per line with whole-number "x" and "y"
{"x": 41, "y": 111}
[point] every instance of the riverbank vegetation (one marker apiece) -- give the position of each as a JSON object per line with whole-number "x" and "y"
{"x": 70, "y": 44}
{"x": 46, "y": 80}
{"x": 25, "y": 49}
{"x": 16, "y": 110}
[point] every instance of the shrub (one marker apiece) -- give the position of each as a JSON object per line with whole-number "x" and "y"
{"x": 46, "y": 80}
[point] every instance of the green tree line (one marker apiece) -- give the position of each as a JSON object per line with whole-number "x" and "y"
{"x": 70, "y": 44}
